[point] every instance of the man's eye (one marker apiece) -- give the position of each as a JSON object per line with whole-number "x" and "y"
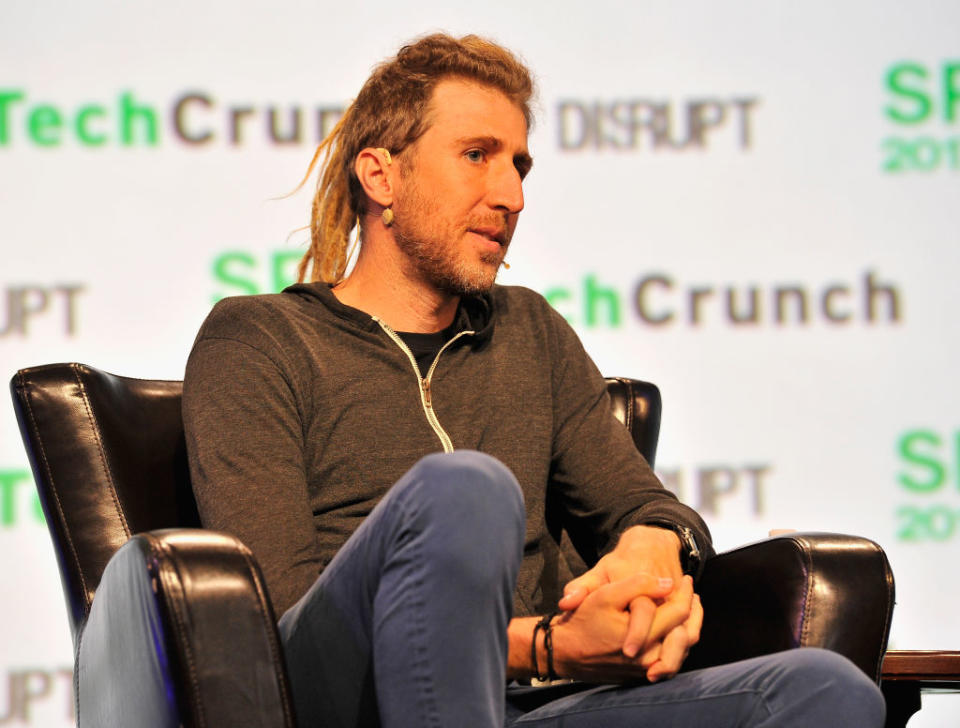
{"x": 476, "y": 155}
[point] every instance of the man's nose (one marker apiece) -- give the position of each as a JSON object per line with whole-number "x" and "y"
{"x": 506, "y": 191}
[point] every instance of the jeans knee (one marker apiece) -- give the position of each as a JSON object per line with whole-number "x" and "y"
{"x": 835, "y": 681}
{"x": 471, "y": 483}
{"x": 473, "y": 502}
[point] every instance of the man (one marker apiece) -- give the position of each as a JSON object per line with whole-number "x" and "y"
{"x": 413, "y": 584}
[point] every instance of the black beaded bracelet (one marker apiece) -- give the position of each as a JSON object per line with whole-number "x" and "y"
{"x": 543, "y": 624}
{"x": 533, "y": 651}
{"x": 548, "y": 644}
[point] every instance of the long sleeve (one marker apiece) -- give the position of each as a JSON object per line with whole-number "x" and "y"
{"x": 602, "y": 480}
{"x": 245, "y": 444}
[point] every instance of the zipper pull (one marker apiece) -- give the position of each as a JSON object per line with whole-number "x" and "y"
{"x": 425, "y": 384}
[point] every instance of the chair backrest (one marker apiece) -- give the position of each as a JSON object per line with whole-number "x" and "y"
{"x": 637, "y": 405}
{"x": 109, "y": 460}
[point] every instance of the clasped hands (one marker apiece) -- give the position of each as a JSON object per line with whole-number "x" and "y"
{"x": 633, "y": 614}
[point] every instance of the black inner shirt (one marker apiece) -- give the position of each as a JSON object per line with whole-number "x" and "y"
{"x": 425, "y": 347}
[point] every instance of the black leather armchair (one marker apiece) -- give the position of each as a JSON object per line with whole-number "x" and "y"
{"x": 181, "y": 631}
{"x": 172, "y": 624}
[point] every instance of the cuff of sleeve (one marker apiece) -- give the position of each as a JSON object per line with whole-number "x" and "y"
{"x": 692, "y": 555}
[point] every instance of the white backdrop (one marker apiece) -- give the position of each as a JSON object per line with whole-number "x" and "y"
{"x": 752, "y": 204}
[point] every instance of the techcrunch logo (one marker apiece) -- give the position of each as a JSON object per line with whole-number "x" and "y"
{"x": 930, "y": 476}
{"x": 659, "y": 300}
{"x": 656, "y": 125}
{"x": 19, "y": 502}
{"x": 191, "y": 118}
{"x": 923, "y": 107}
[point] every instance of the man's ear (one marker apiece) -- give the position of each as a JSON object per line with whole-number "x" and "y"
{"x": 377, "y": 173}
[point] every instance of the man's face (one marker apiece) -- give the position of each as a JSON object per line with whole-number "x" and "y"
{"x": 460, "y": 193}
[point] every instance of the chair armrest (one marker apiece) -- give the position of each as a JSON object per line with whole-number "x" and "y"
{"x": 796, "y": 590}
{"x": 181, "y": 632}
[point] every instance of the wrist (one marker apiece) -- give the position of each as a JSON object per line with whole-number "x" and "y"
{"x": 649, "y": 538}
{"x": 562, "y": 658}
{"x": 520, "y": 637}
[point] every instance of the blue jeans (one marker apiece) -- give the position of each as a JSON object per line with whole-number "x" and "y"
{"x": 801, "y": 688}
{"x": 407, "y": 627}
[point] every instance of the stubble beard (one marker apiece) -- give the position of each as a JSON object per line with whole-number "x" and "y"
{"x": 431, "y": 246}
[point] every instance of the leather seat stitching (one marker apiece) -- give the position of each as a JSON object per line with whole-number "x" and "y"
{"x": 53, "y": 489}
{"x": 173, "y": 602}
{"x": 274, "y": 648}
{"x": 806, "y": 553}
{"x": 94, "y": 426}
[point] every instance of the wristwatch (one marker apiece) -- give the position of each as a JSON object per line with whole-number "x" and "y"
{"x": 690, "y": 555}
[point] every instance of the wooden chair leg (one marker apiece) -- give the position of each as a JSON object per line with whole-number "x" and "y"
{"x": 903, "y": 700}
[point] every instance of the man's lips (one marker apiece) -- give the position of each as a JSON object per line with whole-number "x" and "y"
{"x": 498, "y": 235}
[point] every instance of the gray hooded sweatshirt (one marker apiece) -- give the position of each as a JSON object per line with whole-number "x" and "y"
{"x": 300, "y": 412}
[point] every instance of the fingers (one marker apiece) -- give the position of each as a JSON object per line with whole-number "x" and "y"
{"x": 673, "y": 651}
{"x": 639, "y": 550}
{"x": 620, "y": 593}
{"x": 664, "y": 660}
{"x": 676, "y": 611}
{"x": 573, "y": 597}
{"x": 673, "y": 612}
{"x": 695, "y": 623}
{"x": 642, "y": 610}
{"x": 577, "y": 589}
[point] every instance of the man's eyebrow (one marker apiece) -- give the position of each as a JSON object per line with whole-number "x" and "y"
{"x": 485, "y": 140}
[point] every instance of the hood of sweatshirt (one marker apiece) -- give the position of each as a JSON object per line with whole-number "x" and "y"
{"x": 475, "y": 313}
